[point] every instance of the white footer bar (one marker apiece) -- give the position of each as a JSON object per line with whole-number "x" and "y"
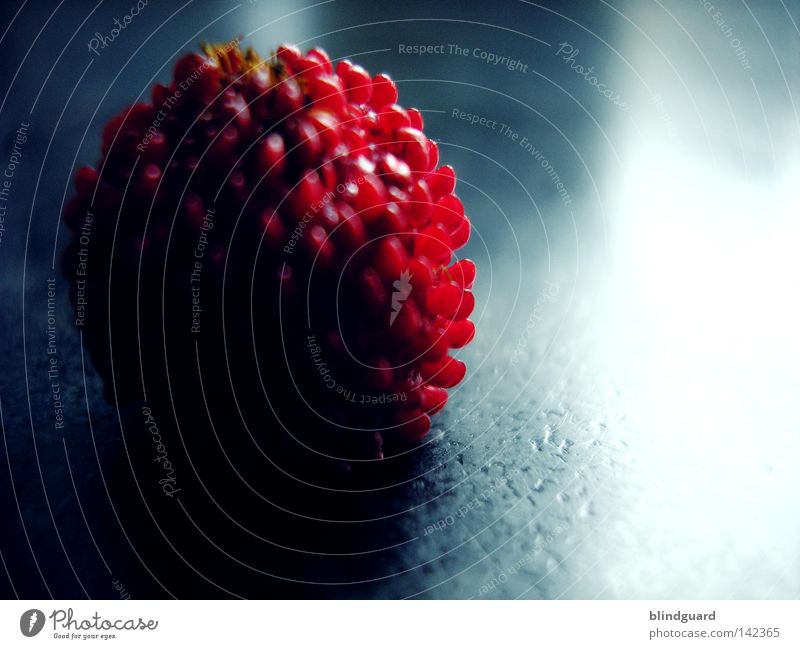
{"x": 389, "y": 624}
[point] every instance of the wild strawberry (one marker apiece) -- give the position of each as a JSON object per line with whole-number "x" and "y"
{"x": 286, "y": 212}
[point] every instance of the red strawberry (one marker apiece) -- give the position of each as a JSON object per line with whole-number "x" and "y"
{"x": 286, "y": 212}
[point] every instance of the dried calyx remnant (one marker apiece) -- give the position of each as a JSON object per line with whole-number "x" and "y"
{"x": 281, "y": 227}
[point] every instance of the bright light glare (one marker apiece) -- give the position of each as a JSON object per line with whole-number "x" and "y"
{"x": 705, "y": 317}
